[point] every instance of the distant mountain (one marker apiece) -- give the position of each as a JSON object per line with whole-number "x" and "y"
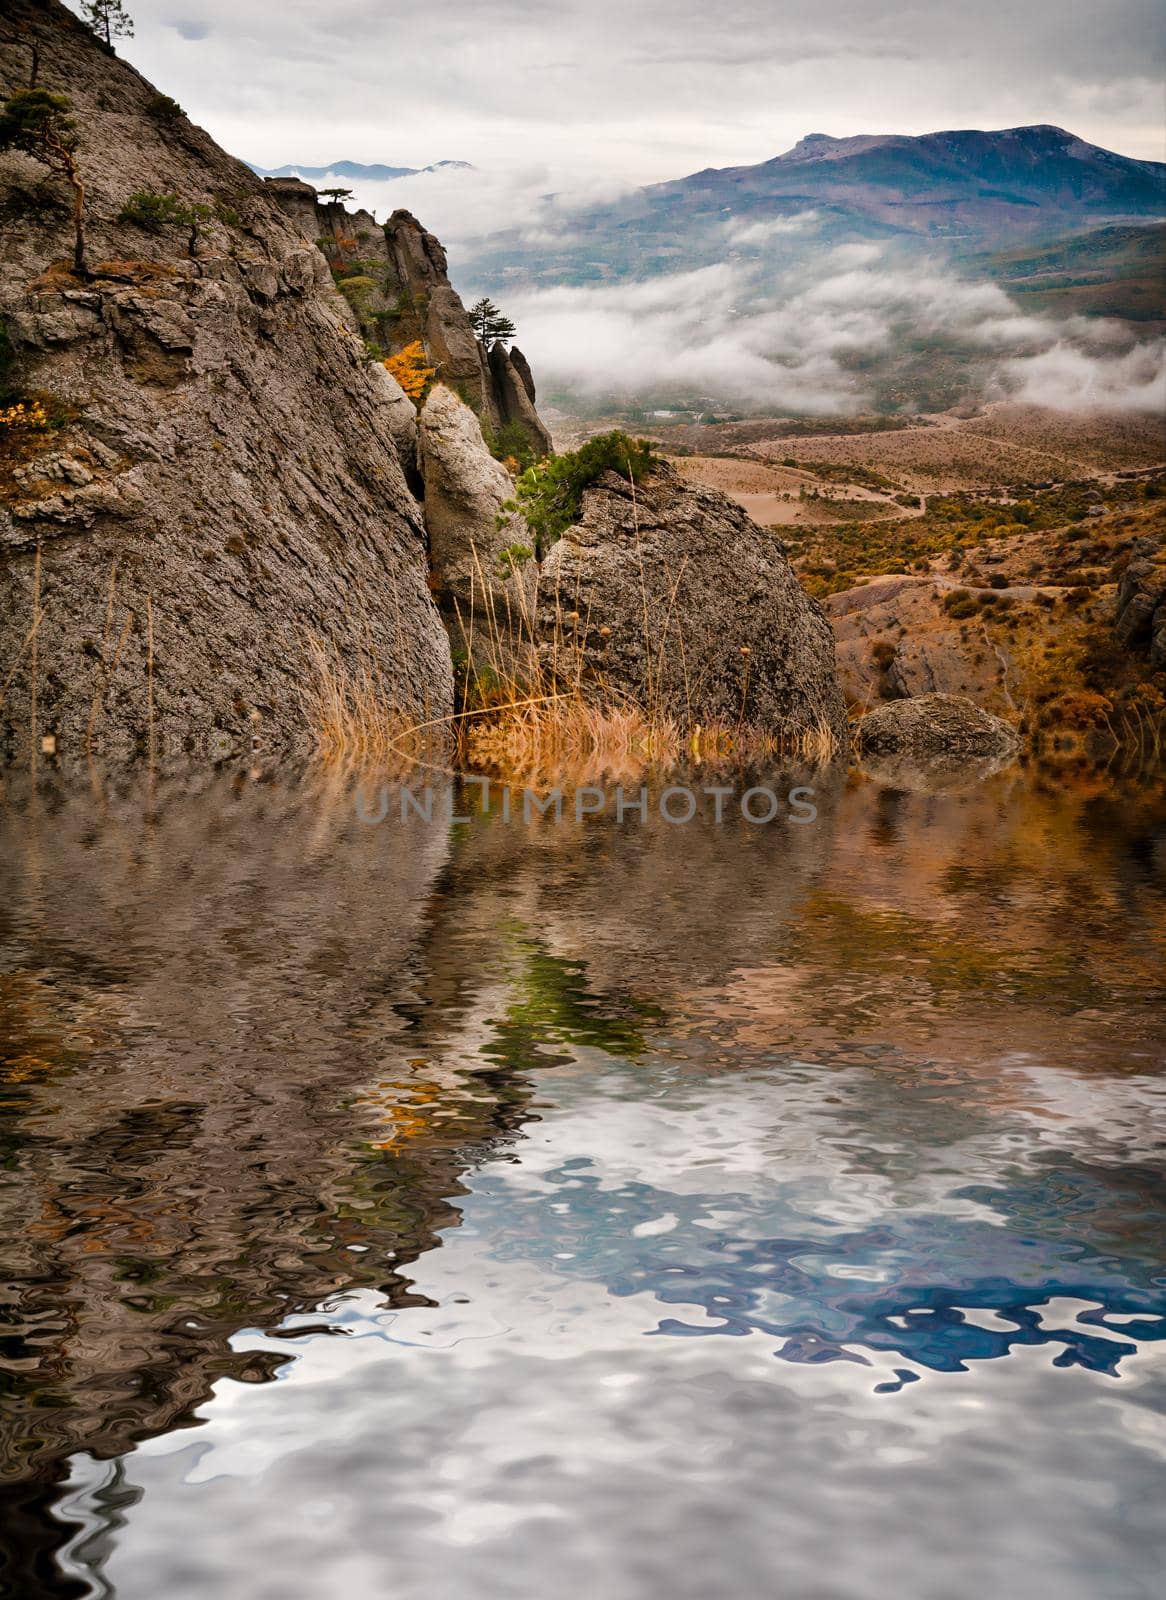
{"x": 354, "y": 169}
{"x": 966, "y": 191}
{"x": 961, "y": 184}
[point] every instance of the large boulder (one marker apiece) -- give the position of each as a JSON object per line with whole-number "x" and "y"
{"x": 667, "y": 594}
{"x": 222, "y": 483}
{"x": 1140, "y": 622}
{"x": 465, "y": 490}
{"x": 943, "y": 725}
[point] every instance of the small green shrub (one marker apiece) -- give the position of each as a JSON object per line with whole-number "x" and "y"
{"x": 511, "y": 443}
{"x": 152, "y": 212}
{"x": 960, "y": 603}
{"x": 514, "y": 556}
{"x": 164, "y": 108}
{"x": 549, "y": 494}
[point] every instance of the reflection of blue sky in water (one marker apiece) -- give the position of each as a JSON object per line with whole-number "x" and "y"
{"x": 830, "y": 1243}
{"x": 724, "y": 1225}
{"x": 477, "y": 1444}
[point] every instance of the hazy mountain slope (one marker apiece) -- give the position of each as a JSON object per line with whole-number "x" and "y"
{"x": 1117, "y": 271}
{"x": 961, "y": 191}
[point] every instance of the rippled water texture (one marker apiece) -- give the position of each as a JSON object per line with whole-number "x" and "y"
{"x": 499, "y": 1210}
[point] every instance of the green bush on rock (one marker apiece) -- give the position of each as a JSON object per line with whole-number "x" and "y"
{"x": 550, "y": 493}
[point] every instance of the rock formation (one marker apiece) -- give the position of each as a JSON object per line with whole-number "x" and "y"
{"x": 465, "y": 490}
{"x": 220, "y": 478}
{"x": 935, "y": 725}
{"x": 218, "y": 512}
{"x": 669, "y": 595}
{"x": 1140, "y": 623}
{"x": 396, "y": 280}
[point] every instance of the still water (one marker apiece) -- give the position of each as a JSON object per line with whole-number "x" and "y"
{"x": 498, "y": 1209}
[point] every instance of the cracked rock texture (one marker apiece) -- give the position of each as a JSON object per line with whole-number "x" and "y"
{"x": 935, "y": 725}
{"x": 670, "y": 596}
{"x": 223, "y": 479}
{"x": 1140, "y": 622}
{"x": 465, "y": 490}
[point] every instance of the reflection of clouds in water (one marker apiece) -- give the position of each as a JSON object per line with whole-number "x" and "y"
{"x": 827, "y": 1231}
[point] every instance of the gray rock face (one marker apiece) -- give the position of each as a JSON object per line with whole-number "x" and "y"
{"x": 399, "y": 291}
{"x": 514, "y": 399}
{"x": 672, "y": 597}
{"x": 943, "y": 725}
{"x": 465, "y": 489}
{"x": 522, "y": 366}
{"x": 224, "y": 480}
{"x": 1140, "y": 623}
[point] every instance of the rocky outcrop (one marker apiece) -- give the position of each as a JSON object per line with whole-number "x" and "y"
{"x": 396, "y": 280}
{"x": 942, "y": 725}
{"x": 667, "y": 594}
{"x": 465, "y": 489}
{"x": 1140, "y": 622}
{"x": 512, "y": 394}
{"x": 221, "y": 481}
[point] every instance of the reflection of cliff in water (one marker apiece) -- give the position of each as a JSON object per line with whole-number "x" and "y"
{"x": 251, "y": 1046}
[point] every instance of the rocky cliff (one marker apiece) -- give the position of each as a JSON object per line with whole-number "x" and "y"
{"x": 216, "y": 480}
{"x": 395, "y": 277}
{"x": 219, "y": 518}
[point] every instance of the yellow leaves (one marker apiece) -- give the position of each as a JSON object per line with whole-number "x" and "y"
{"x": 410, "y": 369}
{"x": 24, "y": 418}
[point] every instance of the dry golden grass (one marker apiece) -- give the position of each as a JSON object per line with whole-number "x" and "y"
{"x": 529, "y": 711}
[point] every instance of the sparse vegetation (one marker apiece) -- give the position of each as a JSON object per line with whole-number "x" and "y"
{"x": 39, "y": 124}
{"x": 164, "y": 108}
{"x": 549, "y": 494}
{"x": 153, "y": 212}
{"x": 511, "y": 445}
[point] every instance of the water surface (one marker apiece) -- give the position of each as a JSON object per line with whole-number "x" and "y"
{"x": 497, "y": 1209}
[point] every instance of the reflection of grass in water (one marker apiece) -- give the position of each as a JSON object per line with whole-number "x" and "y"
{"x": 455, "y": 1108}
{"x": 555, "y": 1006}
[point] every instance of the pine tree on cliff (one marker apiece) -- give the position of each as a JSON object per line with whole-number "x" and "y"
{"x": 489, "y": 324}
{"x": 39, "y": 124}
{"x": 109, "y": 20}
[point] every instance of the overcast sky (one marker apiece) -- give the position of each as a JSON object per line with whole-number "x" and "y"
{"x": 638, "y": 90}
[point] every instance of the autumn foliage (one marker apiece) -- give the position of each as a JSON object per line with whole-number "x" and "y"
{"x": 411, "y": 370}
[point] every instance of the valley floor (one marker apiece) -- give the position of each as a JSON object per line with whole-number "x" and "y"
{"x": 978, "y": 555}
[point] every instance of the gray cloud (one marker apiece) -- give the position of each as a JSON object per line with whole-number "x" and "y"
{"x": 645, "y": 91}
{"x": 714, "y": 336}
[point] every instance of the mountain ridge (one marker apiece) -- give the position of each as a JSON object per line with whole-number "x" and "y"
{"x": 962, "y": 190}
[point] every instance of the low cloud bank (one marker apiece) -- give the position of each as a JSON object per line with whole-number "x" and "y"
{"x": 816, "y": 340}
{"x": 813, "y": 335}
{"x": 1071, "y": 379}
{"x": 464, "y": 205}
